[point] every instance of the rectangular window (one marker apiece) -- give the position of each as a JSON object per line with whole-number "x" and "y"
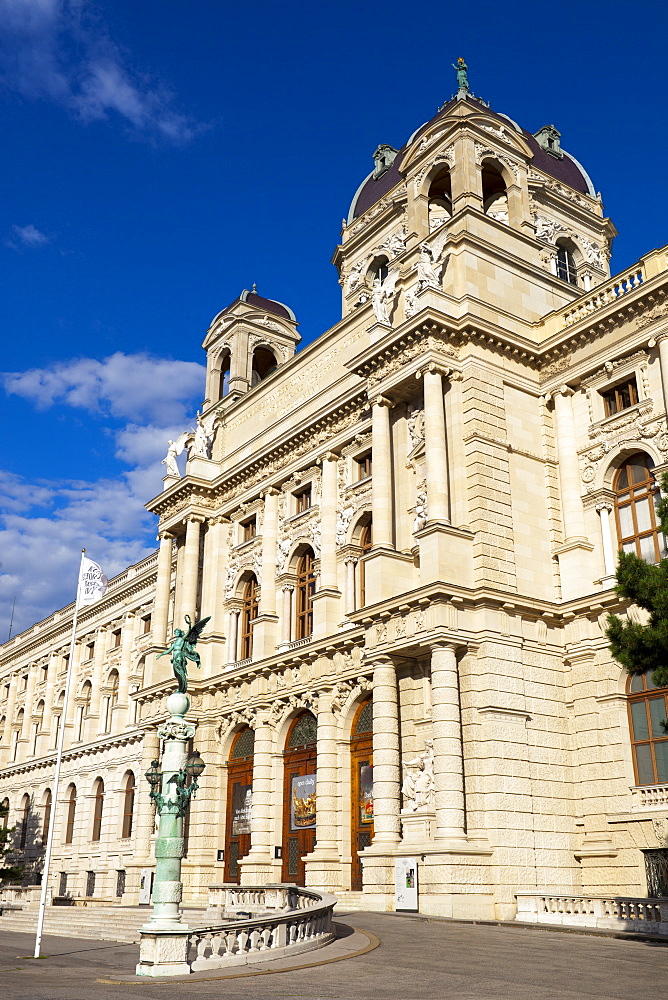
{"x": 620, "y": 397}
{"x": 363, "y": 466}
{"x": 116, "y": 639}
{"x": 90, "y": 650}
{"x": 90, "y": 883}
{"x": 303, "y": 500}
{"x": 146, "y": 624}
{"x": 249, "y": 529}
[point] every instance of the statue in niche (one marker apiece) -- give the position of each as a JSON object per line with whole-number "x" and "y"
{"x": 425, "y": 271}
{"x": 418, "y": 786}
{"x": 382, "y": 295}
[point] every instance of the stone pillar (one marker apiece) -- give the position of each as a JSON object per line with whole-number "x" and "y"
{"x": 48, "y": 703}
{"x": 70, "y": 708}
{"x": 256, "y": 867}
{"x": 386, "y": 779}
{"x": 9, "y": 718}
{"x": 324, "y": 863}
{"x": 190, "y": 575}
{"x": 96, "y": 682}
{"x": 144, "y": 825}
{"x": 604, "y": 509}
{"x": 124, "y": 670}
{"x": 286, "y": 617}
{"x": 569, "y": 472}
{"x": 326, "y": 600}
{"x": 29, "y": 706}
{"x": 448, "y": 755}
{"x": 266, "y": 624}
{"x": 163, "y": 584}
{"x": 435, "y": 447}
{"x": 233, "y": 637}
{"x": 662, "y": 340}
{"x": 381, "y": 482}
{"x": 351, "y": 564}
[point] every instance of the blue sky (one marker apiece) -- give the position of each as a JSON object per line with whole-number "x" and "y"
{"x": 159, "y": 157}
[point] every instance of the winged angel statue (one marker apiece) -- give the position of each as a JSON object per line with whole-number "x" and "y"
{"x": 382, "y": 296}
{"x": 175, "y": 448}
{"x": 183, "y": 649}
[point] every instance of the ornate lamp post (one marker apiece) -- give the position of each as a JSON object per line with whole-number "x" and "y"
{"x": 164, "y": 939}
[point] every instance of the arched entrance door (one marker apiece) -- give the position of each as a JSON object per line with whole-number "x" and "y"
{"x": 239, "y": 800}
{"x": 361, "y": 758}
{"x": 299, "y": 796}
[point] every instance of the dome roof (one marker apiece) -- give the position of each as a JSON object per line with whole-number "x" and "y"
{"x": 565, "y": 169}
{"x": 259, "y": 302}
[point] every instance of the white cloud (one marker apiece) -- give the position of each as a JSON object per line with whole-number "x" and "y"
{"x": 27, "y": 237}
{"x": 137, "y": 387}
{"x": 60, "y": 50}
{"x": 142, "y": 402}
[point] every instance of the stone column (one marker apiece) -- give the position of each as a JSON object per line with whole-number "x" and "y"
{"x": 190, "y": 575}
{"x": 233, "y": 637}
{"x": 662, "y": 341}
{"x": 29, "y": 706}
{"x": 328, "y": 574}
{"x": 386, "y": 780}
{"x": 256, "y": 866}
{"x": 162, "y": 589}
{"x": 604, "y": 508}
{"x": 323, "y": 864}
{"x": 144, "y": 826}
{"x": 381, "y": 482}
{"x": 9, "y": 718}
{"x": 569, "y": 472}
{"x": 448, "y": 755}
{"x": 351, "y": 564}
{"x": 435, "y": 447}
{"x": 48, "y": 703}
{"x": 125, "y": 668}
{"x": 286, "y": 618}
{"x": 214, "y": 573}
{"x": 269, "y": 536}
{"x": 70, "y": 708}
{"x": 96, "y": 681}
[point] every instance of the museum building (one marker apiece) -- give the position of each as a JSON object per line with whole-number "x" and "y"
{"x": 405, "y": 536}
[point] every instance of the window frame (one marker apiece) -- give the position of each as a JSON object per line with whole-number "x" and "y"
{"x": 304, "y": 591}
{"x": 645, "y": 695}
{"x": 611, "y": 396}
{"x": 630, "y": 497}
{"x": 303, "y": 498}
{"x": 98, "y": 810}
{"x": 249, "y": 612}
{"x": 128, "y": 811}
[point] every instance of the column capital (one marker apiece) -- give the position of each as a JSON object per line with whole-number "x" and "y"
{"x": 445, "y": 644}
{"x": 327, "y": 456}
{"x": 271, "y": 491}
{"x": 381, "y": 401}
{"x": 563, "y": 390}
{"x": 434, "y": 368}
{"x": 374, "y": 660}
{"x": 166, "y": 536}
{"x": 195, "y": 519}
{"x": 219, "y": 519}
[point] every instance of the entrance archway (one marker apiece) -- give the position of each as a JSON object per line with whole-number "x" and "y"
{"x": 299, "y": 796}
{"x": 239, "y": 801}
{"x": 361, "y": 783}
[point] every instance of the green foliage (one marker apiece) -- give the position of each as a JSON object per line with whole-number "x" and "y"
{"x": 14, "y": 874}
{"x": 637, "y": 647}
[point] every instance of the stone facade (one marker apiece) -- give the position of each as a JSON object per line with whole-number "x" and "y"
{"x": 418, "y": 509}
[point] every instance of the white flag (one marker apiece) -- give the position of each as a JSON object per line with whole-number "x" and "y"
{"x": 92, "y": 582}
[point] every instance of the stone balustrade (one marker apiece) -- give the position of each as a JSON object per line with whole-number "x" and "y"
{"x": 620, "y": 913}
{"x": 648, "y": 797}
{"x": 285, "y": 920}
{"x": 609, "y": 292}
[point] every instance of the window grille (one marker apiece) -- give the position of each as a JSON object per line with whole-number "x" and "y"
{"x": 364, "y": 723}
{"x": 244, "y": 744}
{"x": 90, "y": 883}
{"x": 120, "y": 883}
{"x": 62, "y": 884}
{"x": 656, "y": 870}
{"x": 304, "y": 731}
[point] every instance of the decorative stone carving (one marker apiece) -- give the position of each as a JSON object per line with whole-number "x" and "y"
{"x": 420, "y": 508}
{"x": 348, "y": 690}
{"x": 593, "y": 252}
{"x": 415, "y": 421}
{"x": 176, "y": 731}
{"x": 446, "y": 157}
{"x": 546, "y": 229}
{"x": 482, "y": 151}
{"x": 418, "y": 785}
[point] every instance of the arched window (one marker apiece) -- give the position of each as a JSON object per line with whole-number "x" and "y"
{"x": 224, "y": 378}
{"x": 4, "y": 813}
{"x": 566, "y": 269}
{"x": 264, "y": 363}
{"x": 71, "y": 814}
{"x": 440, "y": 199}
{"x": 25, "y": 820}
{"x": 248, "y": 616}
{"x": 86, "y": 696}
{"x": 365, "y": 545}
{"x": 648, "y": 708}
{"x": 379, "y": 269}
{"x": 305, "y": 592}
{"x": 128, "y": 805}
{"x": 636, "y": 495}
{"x": 46, "y": 821}
{"x": 494, "y": 194}
{"x": 113, "y": 684}
{"x": 98, "y": 799}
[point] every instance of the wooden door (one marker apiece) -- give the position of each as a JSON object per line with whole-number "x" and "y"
{"x": 361, "y": 760}
{"x": 239, "y": 801}
{"x": 299, "y": 796}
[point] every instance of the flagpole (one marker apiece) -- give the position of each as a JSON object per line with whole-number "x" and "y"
{"x": 56, "y": 780}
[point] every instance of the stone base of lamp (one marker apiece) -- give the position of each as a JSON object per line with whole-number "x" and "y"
{"x": 163, "y": 953}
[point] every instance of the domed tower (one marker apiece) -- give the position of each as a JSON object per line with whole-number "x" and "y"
{"x": 245, "y": 343}
{"x": 473, "y": 207}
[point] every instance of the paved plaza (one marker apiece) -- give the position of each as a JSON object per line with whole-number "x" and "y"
{"x": 417, "y": 959}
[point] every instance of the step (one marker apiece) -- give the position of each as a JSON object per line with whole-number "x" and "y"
{"x": 98, "y": 923}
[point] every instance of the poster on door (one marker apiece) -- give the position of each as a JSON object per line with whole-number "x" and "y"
{"x": 242, "y": 806}
{"x": 303, "y": 805}
{"x": 366, "y": 793}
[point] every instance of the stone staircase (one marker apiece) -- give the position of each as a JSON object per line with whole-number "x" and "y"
{"x": 346, "y": 901}
{"x": 101, "y": 923}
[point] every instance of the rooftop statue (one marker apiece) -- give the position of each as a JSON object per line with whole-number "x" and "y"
{"x": 183, "y": 649}
{"x": 462, "y": 78}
